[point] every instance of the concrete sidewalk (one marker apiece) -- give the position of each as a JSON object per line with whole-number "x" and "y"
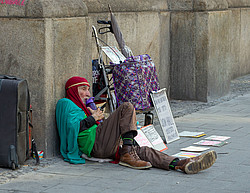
{"x": 230, "y": 173}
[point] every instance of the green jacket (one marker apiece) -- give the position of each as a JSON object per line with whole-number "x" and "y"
{"x": 73, "y": 143}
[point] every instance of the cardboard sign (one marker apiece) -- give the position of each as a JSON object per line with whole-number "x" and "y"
{"x": 142, "y": 140}
{"x": 186, "y": 154}
{"x": 165, "y": 115}
{"x": 211, "y": 143}
{"x": 148, "y": 136}
{"x": 113, "y": 54}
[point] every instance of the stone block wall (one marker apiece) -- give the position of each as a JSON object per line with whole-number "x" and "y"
{"x": 240, "y": 40}
{"x": 45, "y": 43}
{"x": 209, "y": 47}
{"x": 144, "y": 25}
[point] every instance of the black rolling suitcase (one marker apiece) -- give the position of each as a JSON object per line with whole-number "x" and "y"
{"x": 14, "y": 128}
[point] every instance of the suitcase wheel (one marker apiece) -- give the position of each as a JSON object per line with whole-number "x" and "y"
{"x": 13, "y": 162}
{"x": 13, "y": 166}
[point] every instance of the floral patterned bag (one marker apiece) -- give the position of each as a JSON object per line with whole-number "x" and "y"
{"x": 134, "y": 79}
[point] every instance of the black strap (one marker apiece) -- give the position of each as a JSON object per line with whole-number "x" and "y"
{"x": 29, "y": 149}
{"x": 34, "y": 151}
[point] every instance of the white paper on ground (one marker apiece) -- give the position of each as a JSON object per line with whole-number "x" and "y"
{"x": 218, "y": 138}
{"x": 195, "y": 149}
{"x": 189, "y": 133}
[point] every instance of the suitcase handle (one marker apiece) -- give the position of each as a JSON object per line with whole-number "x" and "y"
{"x": 8, "y": 77}
{"x": 19, "y": 122}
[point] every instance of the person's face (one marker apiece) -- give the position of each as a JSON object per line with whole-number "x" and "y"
{"x": 84, "y": 93}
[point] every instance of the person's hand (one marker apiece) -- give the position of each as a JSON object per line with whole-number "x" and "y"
{"x": 97, "y": 114}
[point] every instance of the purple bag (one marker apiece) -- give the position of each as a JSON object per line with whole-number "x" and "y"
{"x": 134, "y": 79}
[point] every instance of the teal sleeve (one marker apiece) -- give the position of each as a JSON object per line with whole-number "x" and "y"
{"x": 68, "y": 117}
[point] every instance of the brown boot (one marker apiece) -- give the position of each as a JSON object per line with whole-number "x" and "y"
{"x": 196, "y": 164}
{"x": 130, "y": 158}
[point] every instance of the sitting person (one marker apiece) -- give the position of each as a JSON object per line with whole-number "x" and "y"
{"x": 82, "y": 131}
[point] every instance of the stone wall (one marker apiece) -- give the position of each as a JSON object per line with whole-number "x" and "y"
{"x": 240, "y": 40}
{"x": 144, "y": 25}
{"x": 198, "y": 45}
{"x": 45, "y": 42}
{"x": 209, "y": 47}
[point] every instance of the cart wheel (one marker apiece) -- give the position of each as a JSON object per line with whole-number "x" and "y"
{"x": 148, "y": 120}
{"x": 13, "y": 166}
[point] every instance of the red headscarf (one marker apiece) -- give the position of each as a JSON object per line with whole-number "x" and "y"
{"x": 72, "y": 91}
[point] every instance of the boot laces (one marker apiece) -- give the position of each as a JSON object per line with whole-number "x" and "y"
{"x": 134, "y": 154}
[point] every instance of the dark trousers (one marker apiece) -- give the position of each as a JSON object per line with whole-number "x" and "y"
{"x": 108, "y": 135}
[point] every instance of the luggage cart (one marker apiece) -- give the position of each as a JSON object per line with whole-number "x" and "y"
{"x": 106, "y": 71}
